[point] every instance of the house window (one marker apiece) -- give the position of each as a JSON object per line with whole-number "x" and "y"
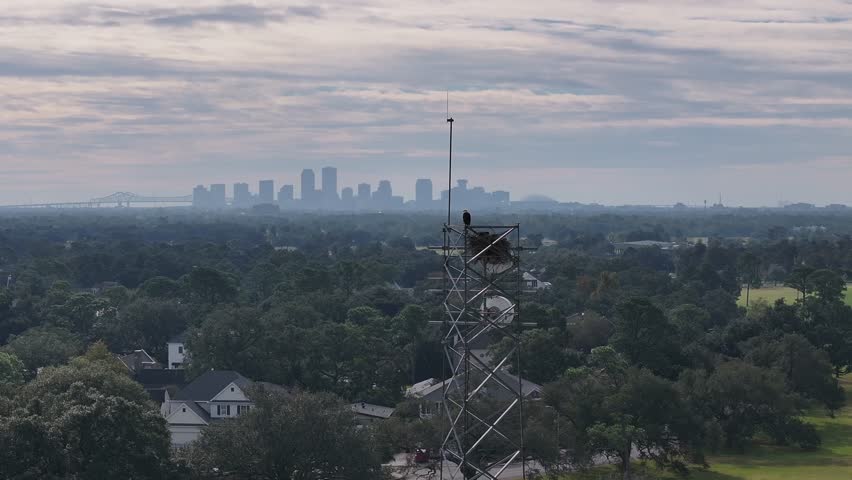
{"x": 223, "y": 410}
{"x": 183, "y": 409}
{"x": 180, "y": 349}
{"x": 232, "y": 389}
{"x": 437, "y": 407}
{"x": 242, "y": 409}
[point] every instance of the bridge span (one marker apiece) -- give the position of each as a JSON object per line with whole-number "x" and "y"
{"x": 118, "y": 199}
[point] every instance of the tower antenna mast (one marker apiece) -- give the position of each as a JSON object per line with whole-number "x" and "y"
{"x": 450, "y": 173}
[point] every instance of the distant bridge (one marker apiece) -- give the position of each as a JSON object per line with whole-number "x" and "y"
{"x": 118, "y": 199}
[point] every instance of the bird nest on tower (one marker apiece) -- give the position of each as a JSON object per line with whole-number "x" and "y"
{"x": 481, "y": 242}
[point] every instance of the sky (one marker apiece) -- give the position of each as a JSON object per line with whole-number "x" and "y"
{"x": 615, "y": 102}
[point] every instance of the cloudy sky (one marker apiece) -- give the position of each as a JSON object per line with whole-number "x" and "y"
{"x": 654, "y": 101}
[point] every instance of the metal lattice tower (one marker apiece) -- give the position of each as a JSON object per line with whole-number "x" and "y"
{"x": 483, "y": 405}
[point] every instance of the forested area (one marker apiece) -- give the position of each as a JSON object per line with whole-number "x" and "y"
{"x": 645, "y": 351}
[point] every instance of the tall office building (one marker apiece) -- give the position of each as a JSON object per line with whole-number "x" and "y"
{"x": 200, "y": 197}
{"x": 286, "y": 194}
{"x": 384, "y": 190}
{"x": 329, "y": 183}
{"x": 242, "y": 195}
{"x": 423, "y": 193}
{"x": 347, "y": 196}
{"x": 309, "y": 185}
{"x": 363, "y": 192}
{"x": 217, "y": 195}
{"x": 501, "y": 196}
{"x": 266, "y": 191}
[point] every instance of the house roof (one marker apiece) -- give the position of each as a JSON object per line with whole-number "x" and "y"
{"x": 527, "y": 387}
{"x": 370, "y": 410}
{"x": 153, "y": 378}
{"x": 179, "y": 338}
{"x": 195, "y": 408}
{"x": 138, "y": 360}
{"x": 209, "y": 384}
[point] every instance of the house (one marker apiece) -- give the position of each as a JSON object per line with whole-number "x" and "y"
{"x": 431, "y": 398}
{"x": 621, "y": 247}
{"x": 532, "y": 283}
{"x": 366, "y": 413}
{"x": 139, "y": 360}
{"x": 212, "y": 397}
{"x": 160, "y": 384}
{"x": 177, "y": 351}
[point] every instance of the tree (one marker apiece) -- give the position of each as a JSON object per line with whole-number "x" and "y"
{"x": 806, "y": 369}
{"x": 300, "y": 436}
{"x": 159, "y": 287}
{"x": 145, "y": 323}
{"x": 44, "y": 346}
{"x": 86, "y": 420}
{"x": 11, "y": 370}
{"x": 610, "y": 408}
{"x": 798, "y": 280}
{"x": 550, "y": 360}
{"x": 644, "y": 336}
{"x": 827, "y": 285}
{"x": 742, "y": 400}
{"x": 211, "y": 286}
{"x": 749, "y": 271}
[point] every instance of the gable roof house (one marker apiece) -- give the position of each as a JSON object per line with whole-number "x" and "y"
{"x": 431, "y": 398}
{"x": 212, "y": 397}
{"x": 139, "y": 360}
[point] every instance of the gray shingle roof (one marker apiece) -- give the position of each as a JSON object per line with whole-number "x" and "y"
{"x": 371, "y": 410}
{"x": 209, "y": 384}
{"x": 198, "y": 410}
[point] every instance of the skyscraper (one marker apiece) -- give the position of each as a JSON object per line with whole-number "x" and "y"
{"x": 242, "y": 196}
{"x": 363, "y": 192}
{"x": 266, "y": 191}
{"x": 200, "y": 197}
{"x": 384, "y": 190}
{"x": 308, "y": 185}
{"x": 329, "y": 183}
{"x": 423, "y": 193}
{"x": 286, "y": 194}
{"x": 347, "y": 196}
{"x": 217, "y": 195}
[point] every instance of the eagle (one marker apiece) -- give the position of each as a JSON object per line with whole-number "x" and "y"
{"x": 466, "y": 218}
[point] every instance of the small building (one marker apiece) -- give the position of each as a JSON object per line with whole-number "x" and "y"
{"x": 533, "y": 283}
{"x": 366, "y": 413}
{"x": 431, "y": 398}
{"x": 214, "y": 396}
{"x": 621, "y": 247}
{"x": 177, "y": 351}
{"x": 139, "y": 360}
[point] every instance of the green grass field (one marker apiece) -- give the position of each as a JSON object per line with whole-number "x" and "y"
{"x": 771, "y": 294}
{"x": 832, "y": 461}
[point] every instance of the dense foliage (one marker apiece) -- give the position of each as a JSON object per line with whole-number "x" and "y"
{"x": 642, "y": 352}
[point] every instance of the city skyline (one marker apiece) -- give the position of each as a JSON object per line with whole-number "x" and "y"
{"x": 325, "y": 193}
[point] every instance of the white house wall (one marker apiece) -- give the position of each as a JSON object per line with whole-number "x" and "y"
{"x": 183, "y": 434}
{"x": 176, "y": 358}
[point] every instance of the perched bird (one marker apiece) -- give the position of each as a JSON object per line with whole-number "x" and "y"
{"x": 466, "y": 218}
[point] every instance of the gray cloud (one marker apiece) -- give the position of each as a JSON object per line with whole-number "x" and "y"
{"x": 245, "y": 14}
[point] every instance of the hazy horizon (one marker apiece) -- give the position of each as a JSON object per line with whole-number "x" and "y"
{"x": 609, "y": 102}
